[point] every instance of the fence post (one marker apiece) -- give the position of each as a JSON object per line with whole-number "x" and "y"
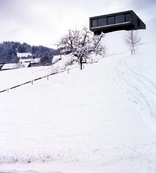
{"x": 8, "y": 89}
{"x": 47, "y": 77}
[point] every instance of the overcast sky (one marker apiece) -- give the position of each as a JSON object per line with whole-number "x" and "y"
{"x": 43, "y": 22}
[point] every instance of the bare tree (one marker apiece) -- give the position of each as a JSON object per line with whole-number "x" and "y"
{"x": 132, "y": 39}
{"x": 81, "y": 44}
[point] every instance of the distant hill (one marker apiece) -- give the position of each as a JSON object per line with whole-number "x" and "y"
{"x": 9, "y": 50}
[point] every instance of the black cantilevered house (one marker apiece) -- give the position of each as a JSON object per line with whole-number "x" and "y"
{"x": 126, "y": 20}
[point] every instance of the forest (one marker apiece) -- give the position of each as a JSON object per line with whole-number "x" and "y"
{"x": 8, "y": 52}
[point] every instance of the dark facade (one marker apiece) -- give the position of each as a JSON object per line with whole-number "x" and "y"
{"x": 126, "y": 20}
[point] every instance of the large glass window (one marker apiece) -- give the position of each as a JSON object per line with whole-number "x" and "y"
{"x": 102, "y": 22}
{"x": 94, "y": 23}
{"x": 119, "y": 19}
{"x": 111, "y": 20}
{"x": 128, "y": 17}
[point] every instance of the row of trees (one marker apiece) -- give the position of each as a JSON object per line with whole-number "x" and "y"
{"x": 8, "y": 52}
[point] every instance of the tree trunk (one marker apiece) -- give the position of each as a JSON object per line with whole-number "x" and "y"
{"x": 81, "y": 63}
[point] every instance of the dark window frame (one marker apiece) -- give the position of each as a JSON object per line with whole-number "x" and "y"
{"x": 94, "y": 24}
{"x": 128, "y": 17}
{"x": 119, "y": 20}
{"x": 109, "y": 22}
{"x": 103, "y": 21}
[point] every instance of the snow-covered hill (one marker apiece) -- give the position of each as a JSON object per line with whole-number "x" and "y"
{"x": 100, "y": 119}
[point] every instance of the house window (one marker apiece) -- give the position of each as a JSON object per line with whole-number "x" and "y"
{"x": 94, "y": 23}
{"x": 128, "y": 18}
{"x": 111, "y": 20}
{"x": 119, "y": 19}
{"x": 102, "y": 22}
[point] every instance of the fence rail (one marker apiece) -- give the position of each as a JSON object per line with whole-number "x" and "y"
{"x": 29, "y": 82}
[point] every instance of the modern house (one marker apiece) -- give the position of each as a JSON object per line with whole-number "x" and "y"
{"x": 126, "y": 20}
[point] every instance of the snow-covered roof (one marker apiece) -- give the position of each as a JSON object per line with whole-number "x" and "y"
{"x": 30, "y": 60}
{"x": 62, "y": 61}
{"x": 56, "y": 58}
{"x": 10, "y": 66}
{"x": 20, "y": 55}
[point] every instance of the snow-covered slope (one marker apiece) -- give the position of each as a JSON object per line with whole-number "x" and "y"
{"x": 100, "y": 119}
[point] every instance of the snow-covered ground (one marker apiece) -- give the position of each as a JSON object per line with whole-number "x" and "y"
{"x": 100, "y": 119}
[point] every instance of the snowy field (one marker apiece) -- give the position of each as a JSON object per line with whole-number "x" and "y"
{"x": 98, "y": 120}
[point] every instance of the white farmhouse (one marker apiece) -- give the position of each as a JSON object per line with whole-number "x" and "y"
{"x": 25, "y": 61}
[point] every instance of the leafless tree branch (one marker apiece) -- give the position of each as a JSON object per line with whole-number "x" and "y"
{"x": 82, "y": 44}
{"x": 132, "y": 40}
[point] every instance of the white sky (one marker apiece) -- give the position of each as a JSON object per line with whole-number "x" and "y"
{"x": 43, "y": 22}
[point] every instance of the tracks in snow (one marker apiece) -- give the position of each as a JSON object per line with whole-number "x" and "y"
{"x": 141, "y": 89}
